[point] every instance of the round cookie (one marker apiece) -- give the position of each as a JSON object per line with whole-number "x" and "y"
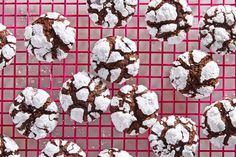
{"x": 115, "y": 59}
{"x": 113, "y": 152}
{"x": 34, "y": 113}
{"x": 218, "y": 29}
{"x": 195, "y": 74}
{"x": 219, "y": 122}
{"x": 62, "y": 148}
{"x": 169, "y": 20}
{"x": 174, "y": 137}
{"x": 50, "y": 37}
{"x": 8, "y": 147}
{"x": 7, "y": 47}
{"x": 110, "y": 14}
{"x": 134, "y": 109}
{"x": 84, "y": 97}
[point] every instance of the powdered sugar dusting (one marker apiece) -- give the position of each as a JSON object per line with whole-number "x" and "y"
{"x": 198, "y": 55}
{"x": 180, "y": 76}
{"x": 210, "y": 71}
{"x": 166, "y": 12}
{"x": 2, "y": 27}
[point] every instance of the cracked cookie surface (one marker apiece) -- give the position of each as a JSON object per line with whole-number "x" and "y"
{"x": 84, "y": 97}
{"x": 115, "y": 59}
{"x": 111, "y": 13}
{"x": 50, "y": 37}
{"x": 34, "y": 113}
{"x": 169, "y": 20}
{"x": 134, "y": 109}
{"x": 7, "y": 47}
{"x": 62, "y": 148}
{"x": 113, "y": 152}
{"x": 219, "y": 122}
{"x": 174, "y": 137}
{"x": 8, "y": 147}
{"x": 218, "y": 29}
{"x": 195, "y": 74}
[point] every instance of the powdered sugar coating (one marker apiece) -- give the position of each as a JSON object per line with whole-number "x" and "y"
{"x": 7, "y": 46}
{"x": 8, "y": 147}
{"x": 194, "y": 74}
{"x": 84, "y": 97}
{"x": 34, "y": 113}
{"x": 169, "y": 20}
{"x": 174, "y": 137}
{"x": 50, "y": 37}
{"x": 217, "y": 29}
{"x": 134, "y": 109}
{"x": 113, "y": 152}
{"x": 219, "y": 122}
{"x": 115, "y": 59}
{"x": 110, "y": 14}
{"x": 62, "y": 148}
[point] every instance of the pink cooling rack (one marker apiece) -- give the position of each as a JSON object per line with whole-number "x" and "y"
{"x": 156, "y": 58}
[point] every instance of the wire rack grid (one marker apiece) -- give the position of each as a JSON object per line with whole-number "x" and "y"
{"x": 156, "y": 58}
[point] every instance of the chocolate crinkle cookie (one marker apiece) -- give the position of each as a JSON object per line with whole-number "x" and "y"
{"x": 62, "y": 148}
{"x": 219, "y": 122}
{"x": 134, "y": 109}
{"x": 84, "y": 97}
{"x": 218, "y": 29}
{"x": 174, "y": 137}
{"x": 50, "y": 37}
{"x": 7, "y": 47}
{"x": 8, "y": 147}
{"x": 169, "y": 20}
{"x": 34, "y": 113}
{"x": 113, "y": 152}
{"x": 194, "y": 74}
{"x": 115, "y": 59}
{"x": 111, "y": 13}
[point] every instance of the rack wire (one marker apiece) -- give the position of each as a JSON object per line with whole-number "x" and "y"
{"x": 156, "y": 58}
